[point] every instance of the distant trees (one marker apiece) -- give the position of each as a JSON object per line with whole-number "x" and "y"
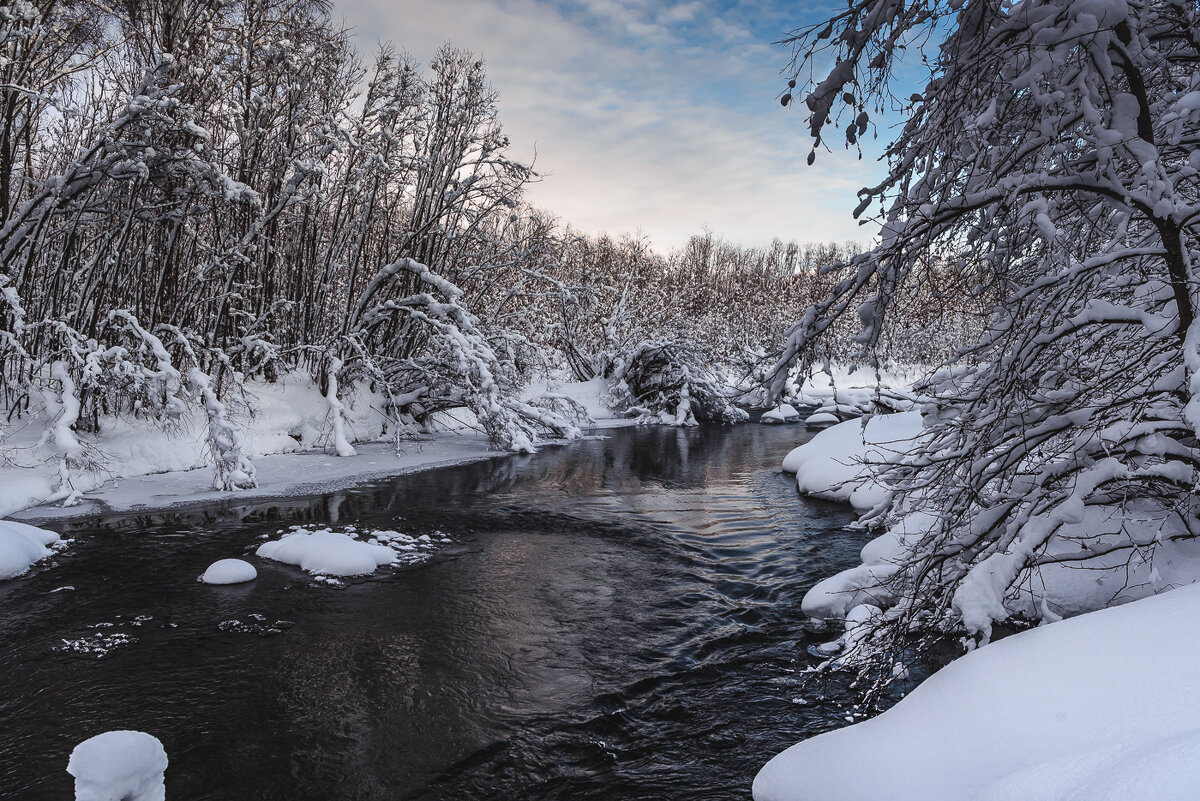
{"x": 1049, "y": 170}
{"x": 604, "y": 296}
{"x": 196, "y": 195}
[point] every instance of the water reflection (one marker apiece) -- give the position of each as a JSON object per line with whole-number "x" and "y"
{"x": 618, "y": 619}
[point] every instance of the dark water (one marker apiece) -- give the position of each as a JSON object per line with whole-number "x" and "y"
{"x": 616, "y": 619}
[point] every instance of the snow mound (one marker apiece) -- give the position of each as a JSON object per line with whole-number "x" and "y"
{"x": 892, "y": 394}
{"x": 328, "y": 553}
{"x": 324, "y": 552}
{"x": 230, "y": 571}
{"x": 833, "y": 597}
{"x": 21, "y": 546}
{"x": 119, "y": 766}
{"x": 822, "y": 419}
{"x": 783, "y": 413}
{"x": 1099, "y": 707}
{"x": 831, "y": 464}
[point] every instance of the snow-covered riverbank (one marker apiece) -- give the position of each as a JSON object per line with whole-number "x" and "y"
{"x": 279, "y": 475}
{"x": 1101, "y": 706}
{"x": 841, "y": 464}
{"x": 144, "y": 467}
{"x": 288, "y": 440}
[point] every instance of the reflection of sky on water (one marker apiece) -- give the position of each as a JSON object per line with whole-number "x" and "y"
{"x": 612, "y": 615}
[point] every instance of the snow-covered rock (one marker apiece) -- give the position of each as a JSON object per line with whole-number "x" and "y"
{"x": 831, "y": 464}
{"x": 229, "y": 571}
{"x": 783, "y": 413}
{"x": 21, "y": 546}
{"x": 834, "y": 596}
{"x": 830, "y": 599}
{"x": 328, "y": 553}
{"x": 1102, "y": 707}
{"x": 822, "y": 419}
{"x": 119, "y": 766}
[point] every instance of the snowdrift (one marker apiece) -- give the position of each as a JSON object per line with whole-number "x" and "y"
{"x": 1101, "y": 707}
{"x": 22, "y": 546}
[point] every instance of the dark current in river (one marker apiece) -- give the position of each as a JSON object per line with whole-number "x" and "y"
{"x": 618, "y": 618}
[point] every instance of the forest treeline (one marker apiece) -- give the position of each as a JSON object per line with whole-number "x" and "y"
{"x": 196, "y": 194}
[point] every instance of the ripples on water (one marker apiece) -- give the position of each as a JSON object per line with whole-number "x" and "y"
{"x": 616, "y": 619}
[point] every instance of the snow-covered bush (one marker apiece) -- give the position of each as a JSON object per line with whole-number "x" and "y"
{"x": 453, "y": 365}
{"x": 670, "y": 382}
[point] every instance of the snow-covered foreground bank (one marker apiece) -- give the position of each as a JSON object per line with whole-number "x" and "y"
{"x": 1102, "y": 707}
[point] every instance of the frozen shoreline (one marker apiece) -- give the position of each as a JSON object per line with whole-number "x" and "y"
{"x": 280, "y": 475}
{"x": 1098, "y": 707}
{"x": 1073, "y": 710}
{"x": 147, "y": 469}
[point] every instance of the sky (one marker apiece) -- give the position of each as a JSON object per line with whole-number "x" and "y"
{"x": 659, "y": 117}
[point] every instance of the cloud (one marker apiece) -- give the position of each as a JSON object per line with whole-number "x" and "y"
{"x": 650, "y": 116}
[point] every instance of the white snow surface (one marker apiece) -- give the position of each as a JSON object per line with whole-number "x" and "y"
{"x": 1102, "y": 707}
{"x": 119, "y": 766}
{"x": 324, "y": 552}
{"x": 286, "y": 437}
{"x": 284, "y": 474}
{"x": 832, "y": 464}
{"x": 592, "y": 395}
{"x": 289, "y": 438}
{"x": 328, "y": 553}
{"x": 229, "y": 571}
{"x": 22, "y": 546}
{"x": 783, "y": 413}
{"x": 855, "y": 391}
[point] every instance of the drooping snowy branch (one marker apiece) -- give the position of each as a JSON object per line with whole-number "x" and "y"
{"x": 1048, "y": 169}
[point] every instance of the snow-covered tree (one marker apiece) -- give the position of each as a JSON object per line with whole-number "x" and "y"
{"x": 195, "y": 195}
{"x": 1049, "y": 167}
{"x": 673, "y": 383}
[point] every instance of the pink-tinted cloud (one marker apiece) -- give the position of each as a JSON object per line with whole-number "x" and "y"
{"x": 651, "y": 116}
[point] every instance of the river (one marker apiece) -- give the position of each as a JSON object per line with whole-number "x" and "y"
{"x": 618, "y": 618}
